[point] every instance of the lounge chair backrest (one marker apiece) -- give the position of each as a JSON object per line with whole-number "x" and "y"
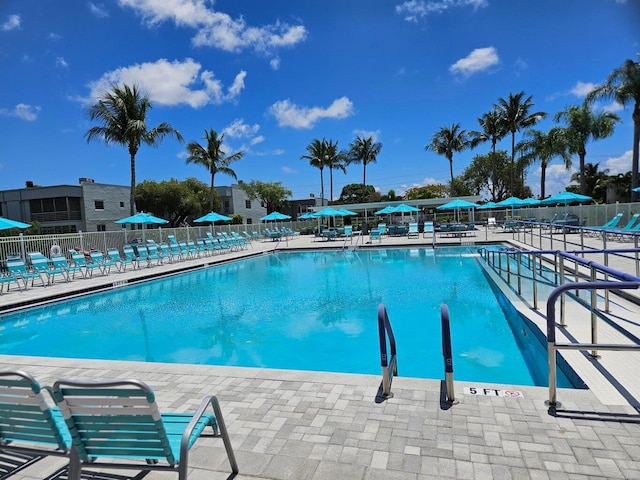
{"x": 631, "y": 221}
{"x": 428, "y": 227}
{"x": 119, "y": 418}
{"x": 613, "y": 222}
{"x": 25, "y": 416}
{"x": 78, "y": 258}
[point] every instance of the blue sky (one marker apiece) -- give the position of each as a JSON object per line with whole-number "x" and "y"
{"x": 275, "y": 75}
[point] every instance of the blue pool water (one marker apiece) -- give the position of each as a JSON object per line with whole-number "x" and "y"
{"x": 304, "y": 311}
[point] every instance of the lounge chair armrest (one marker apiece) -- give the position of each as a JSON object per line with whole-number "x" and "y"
{"x": 221, "y": 427}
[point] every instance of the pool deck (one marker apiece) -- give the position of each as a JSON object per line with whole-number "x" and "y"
{"x": 320, "y": 426}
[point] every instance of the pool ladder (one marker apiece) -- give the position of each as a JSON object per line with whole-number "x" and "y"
{"x": 389, "y": 364}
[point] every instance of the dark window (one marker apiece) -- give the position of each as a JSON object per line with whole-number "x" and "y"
{"x": 101, "y": 228}
{"x": 121, "y": 204}
{"x": 226, "y": 205}
{"x": 48, "y": 205}
{"x": 249, "y": 221}
{"x": 247, "y": 204}
{"x": 99, "y": 204}
{"x": 60, "y": 204}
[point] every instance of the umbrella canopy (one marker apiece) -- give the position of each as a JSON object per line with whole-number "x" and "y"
{"x": 532, "y": 202}
{"x": 275, "y": 216}
{"x": 457, "y": 204}
{"x": 306, "y": 216}
{"x": 512, "y": 202}
{"x": 404, "y": 208}
{"x": 566, "y": 198}
{"x": 386, "y": 210}
{"x": 487, "y": 206}
{"x": 345, "y": 212}
{"x": 143, "y": 218}
{"x": 6, "y": 224}
{"x": 213, "y": 217}
{"x": 637, "y": 189}
{"x": 327, "y": 212}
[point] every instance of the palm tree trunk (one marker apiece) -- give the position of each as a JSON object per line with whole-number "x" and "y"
{"x": 493, "y": 171}
{"x": 583, "y": 180}
{"x": 211, "y": 194}
{"x": 451, "y": 169}
{"x": 513, "y": 160}
{"x": 364, "y": 175}
{"x": 543, "y": 178}
{"x": 321, "y": 188}
{"x": 636, "y": 153}
{"x": 330, "y": 184}
{"x": 132, "y": 194}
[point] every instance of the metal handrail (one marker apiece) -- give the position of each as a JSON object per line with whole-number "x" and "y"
{"x": 389, "y": 364}
{"x": 552, "y": 346}
{"x": 446, "y": 352}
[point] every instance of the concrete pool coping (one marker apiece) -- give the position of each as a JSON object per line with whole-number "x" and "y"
{"x": 315, "y": 425}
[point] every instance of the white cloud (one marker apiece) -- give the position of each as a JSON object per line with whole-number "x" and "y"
{"x": 367, "y": 133}
{"x": 257, "y": 140}
{"x": 98, "y": 10}
{"x": 413, "y": 10}
{"x": 478, "y": 60}
{"x": 22, "y": 111}
{"x": 613, "y": 107}
{"x": 581, "y": 89}
{"x": 621, "y": 164}
{"x": 217, "y": 29}
{"x": 289, "y": 170}
{"x": 12, "y": 23}
{"x": 275, "y": 63}
{"x": 171, "y": 83}
{"x": 239, "y": 129}
{"x": 290, "y": 115}
{"x": 61, "y": 62}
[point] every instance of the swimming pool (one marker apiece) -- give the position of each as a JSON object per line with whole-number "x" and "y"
{"x": 304, "y": 311}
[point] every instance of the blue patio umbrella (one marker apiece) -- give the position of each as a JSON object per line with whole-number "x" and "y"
{"x": 532, "y": 202}
{"x": 6, "y": 224}
{"x": 565, "y": 198}
{"x": 142, "y": 218}
{"x": 306, "y": 216}
{"x": 212, "y": 217}
{"x": 404, "y": 208}
{"x": 457, "y": 205}
{"x": 345, "y": 213}
{"x": 386, "y": 210}
{"x": 275, "y": 216}
{"x": 512, "y": 202}
{"x": 487, "y": 206}
{"x": 637, "y": 189}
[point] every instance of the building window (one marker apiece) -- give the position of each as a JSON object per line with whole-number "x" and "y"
{"x": 99, "y": 204}
{"x": 247, "y": 204}
{"x": 249, "y": 221}
{"x": 101, "y": 228}
{"x": 121, "y": 204}
{"x": 226, "y": 205}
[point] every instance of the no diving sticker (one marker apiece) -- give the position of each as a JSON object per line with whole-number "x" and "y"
{"x": 492, "y": 392}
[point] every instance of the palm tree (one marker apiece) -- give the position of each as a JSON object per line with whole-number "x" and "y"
{"x": 365, "y": 151}
{"x": 213, "y": 158}
{"x": 448, "y": 141}
{"x": 334, "y": 160}
{"x": 544, "y": 147}
{"x": 584, "y": 125}
{"x": 623, "y": 85}
{"x": 122, "y": 113}
{"x": 515, "y": 115}
{"x": 492, "y": 131}
{"x": 595, "y": 179}
{"x": 317, "y": 152}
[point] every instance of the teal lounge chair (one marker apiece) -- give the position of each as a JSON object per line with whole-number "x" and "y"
{"x": 118, "y": 425}
{"x": 427, "y": 229}
{"x": 60, "y": 261}
{"x": 7, "y": 280}
{"x": 611, "y": 224}
{"x": 105, "y": 262}
{"x": 413, "y": 230}
{"x": 29, "y": 423}
{"x": 375, "y": 234}
{"x": 619, "y": 232}
{"x": 80, "y": 261}
{"x": 153, "y": 255}
{"x": 17, "y": 268}
{"x": 44, "y": 266}
{"x": 130, "y": 257}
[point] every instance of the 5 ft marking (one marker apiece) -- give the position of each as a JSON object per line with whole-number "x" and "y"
{"x": 493, "y": 392}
